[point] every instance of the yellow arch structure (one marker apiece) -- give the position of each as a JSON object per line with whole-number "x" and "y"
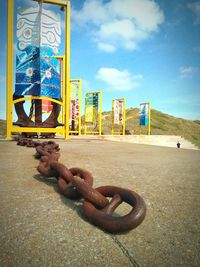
{"x": 65, "y": 103}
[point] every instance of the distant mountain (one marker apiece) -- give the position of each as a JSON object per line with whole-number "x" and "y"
{"x": 161, "y": 124}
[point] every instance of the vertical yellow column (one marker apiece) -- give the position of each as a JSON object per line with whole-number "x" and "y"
{"x": 67, "y": 69}
{"x": 9, "y": 74}
{"x": 100, "y": 112}
{"x": 113, "y": 117}
{"x": 149, "y": 119}
{"x": 85, "y": 126}
{"x": 80, "y": 106}
{"x": 124, "y": 117}
{"x": 63, "y": 89}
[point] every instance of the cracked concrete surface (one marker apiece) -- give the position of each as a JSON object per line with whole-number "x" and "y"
{"x": 39, "y": 227}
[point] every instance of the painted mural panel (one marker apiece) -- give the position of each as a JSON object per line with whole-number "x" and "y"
{"x": 38, "y": 39}
{"x": 118, "y": 111}
{"x": 91, "y": 107}
{"x": 144, "y": 114}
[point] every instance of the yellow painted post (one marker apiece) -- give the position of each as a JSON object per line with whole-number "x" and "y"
{"x": 63, "y": 90}
{"x": 9, "y": 74}
{"x": 80, "y": 106}
{"x": 67, "y": 69}
{"x": 124, "y": 117}
{"x": 62, "y": 59}
{"x": 112, "y": 117}
{"x": 100, "y": 112}
{"x": 149, "y": 119}
{"x": 85, "y": 126}
{"x": 55, "y": 2}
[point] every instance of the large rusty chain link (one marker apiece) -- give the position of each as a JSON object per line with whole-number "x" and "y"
{"x": 77, "y": 183}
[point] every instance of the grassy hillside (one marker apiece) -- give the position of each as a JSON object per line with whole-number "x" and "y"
{"x": 2, "y": 127}
{"x": 161, "y": 124}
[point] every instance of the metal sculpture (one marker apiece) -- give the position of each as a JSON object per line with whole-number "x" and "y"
{"x": 38, "y": 43}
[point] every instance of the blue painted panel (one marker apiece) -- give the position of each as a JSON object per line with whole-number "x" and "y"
{"x": 39, "y": 36}
{"x": 144, "y": 119}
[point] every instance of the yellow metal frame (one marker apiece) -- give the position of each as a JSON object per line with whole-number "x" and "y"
{"x": 99, "y": 115}
{"x": 149, "y": 117}
{"x": 123, "y": 131}
{"x": 66, "y": 77}
{"x": 79, "y": 86}
{"x": 63, "y": 81}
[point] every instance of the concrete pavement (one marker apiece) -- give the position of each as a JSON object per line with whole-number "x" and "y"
{"x": 39, "y": 227}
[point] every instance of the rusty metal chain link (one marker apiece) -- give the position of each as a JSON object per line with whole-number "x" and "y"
{"x": 77, "y": 183}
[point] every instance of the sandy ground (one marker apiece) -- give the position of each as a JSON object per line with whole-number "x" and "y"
{"x": 39, "y": 227}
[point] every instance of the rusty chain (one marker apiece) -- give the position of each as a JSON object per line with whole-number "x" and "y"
{"x": 77, "y": 183}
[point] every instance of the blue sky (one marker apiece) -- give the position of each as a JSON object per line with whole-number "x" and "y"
{"x": 137, "y": 49}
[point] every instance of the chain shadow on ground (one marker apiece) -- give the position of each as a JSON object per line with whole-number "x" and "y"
{"x": 75, "y": 204}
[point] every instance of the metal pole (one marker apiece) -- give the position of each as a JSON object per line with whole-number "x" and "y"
{"x": 124, "y": 117}
{"x": 85, "y": 125}
{"x": 100, "y": 113}
{"x": 9, "y": 74}
{"x": 67, "y": 69}
{"x": 113, "y": 116}
{"x": 149, "y": 119}
{"x": 80, "y": 106}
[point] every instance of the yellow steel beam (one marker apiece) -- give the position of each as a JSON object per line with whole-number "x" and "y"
{"x": 124, "y": 118}
{"x": 9, "y": 74}
{"x": 149, "y": 119}
{"x": 55, "y": 2}
{"x": 67, "y": 69}
{"x": 36, "y": 130}
{"x": 37, "y": 97}
{"x": 80, "y": 106}
{"x": 93, "y": 132}
{"x": 100, "y": 112}
{"x": 63, "y": 81}
{"x": 112, "y": 117}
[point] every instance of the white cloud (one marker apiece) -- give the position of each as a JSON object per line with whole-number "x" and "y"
{"x": 92, "y": 11}
{"x": 106, "y": 47}
{"x": 119, "y": 24}
{"x": 117, "y": 79}
{"x": 186, "y": 72}
{"x": 195, "y": 7}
